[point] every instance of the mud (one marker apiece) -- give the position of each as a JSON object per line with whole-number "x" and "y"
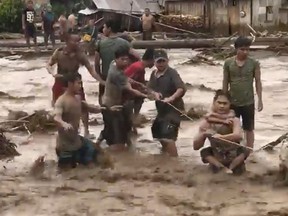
{"x": 143, "y": 181}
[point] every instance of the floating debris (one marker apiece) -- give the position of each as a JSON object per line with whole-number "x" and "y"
{"x": 40, "y": 120}
{"x": 195, "y": 113}
{"x": 200, "y": 59}
{"x": 7, "y": 148}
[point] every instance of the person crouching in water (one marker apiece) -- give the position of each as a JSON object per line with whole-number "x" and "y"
{"x": 222, "y": 154}
{"x": 168, "y": 89}
{"x": 117, "y": 116}
{"x": 72, "y": 148}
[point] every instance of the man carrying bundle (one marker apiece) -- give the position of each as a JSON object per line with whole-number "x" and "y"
{"x": 224, "y": 135}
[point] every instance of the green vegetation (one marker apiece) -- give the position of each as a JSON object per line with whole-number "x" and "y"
{"x": 10, "y": 15}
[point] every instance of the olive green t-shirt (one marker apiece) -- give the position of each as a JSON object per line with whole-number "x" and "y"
{"x": 241, "y": 80}
{"x": 107, "y": 48}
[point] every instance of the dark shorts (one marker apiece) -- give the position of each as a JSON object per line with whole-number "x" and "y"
{"x": 165, "y": 128}
{"x": 101, "y": 93}
{"x": 205, "y": 152}
{"x": 30, "y": 31}
{"x": 248, "y": 115}
{"x": 86, "y": 154}
{"x": 117, "y": 125}
{"x": 147, "y": 35}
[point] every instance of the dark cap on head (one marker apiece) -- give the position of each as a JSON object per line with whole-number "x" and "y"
{"x": 160, "y": 54}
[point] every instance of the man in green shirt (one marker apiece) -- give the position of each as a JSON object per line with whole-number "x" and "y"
{"x": 105, "y": 50}
{"x": 239, "y": 75}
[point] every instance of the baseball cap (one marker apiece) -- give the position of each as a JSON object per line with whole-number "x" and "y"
{"x": 160, "y": 54}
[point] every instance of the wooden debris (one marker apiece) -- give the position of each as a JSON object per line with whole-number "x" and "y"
{"x": 183, "y": 21}
{"x": 271, "y": 145}
{"x": 219, "y": 54}
{"x": 195, "y": 113}
{"x": 7, "y": 148}
{"x": 200, "y": 87}
{"x": 200, "y": 59}
{"x": 40, "y": 120}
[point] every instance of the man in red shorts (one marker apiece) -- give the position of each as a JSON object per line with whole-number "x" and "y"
{"x": 68, "y": 60}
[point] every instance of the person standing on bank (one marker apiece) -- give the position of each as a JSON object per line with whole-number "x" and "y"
{"x": 148, "y": 23}
{"x": 28, "y": 23}
{"x": 239, "y": 75}
{"x": 168, "y": 89}
{"x": 48, "y": 21}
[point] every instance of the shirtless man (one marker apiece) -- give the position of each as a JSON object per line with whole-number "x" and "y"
{"x": 68, "y": 60}
{"x": 148, "y": 23}
{"x": 221, "y": 154}
{"x": 117, "y": 124}
{"x": 71, "y": 148}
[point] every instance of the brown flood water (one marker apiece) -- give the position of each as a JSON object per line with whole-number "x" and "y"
{"x": 143, "y": 183}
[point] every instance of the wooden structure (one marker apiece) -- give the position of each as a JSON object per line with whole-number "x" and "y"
{"x": 224, "y": 17}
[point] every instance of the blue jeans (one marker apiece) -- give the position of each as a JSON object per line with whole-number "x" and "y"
{"x": 86, "y": 154}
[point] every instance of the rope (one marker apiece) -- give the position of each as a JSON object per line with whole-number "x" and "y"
{"x": 220, "y": 139}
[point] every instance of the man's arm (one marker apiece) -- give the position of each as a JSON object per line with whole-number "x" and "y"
{"x": 225, "y": 82}
{"x": 52, "y": 61}
{"x": 90, "y": 69}
{"x": 97, "y": 62}
{"x": 91, "y": 108}
{"x": 236, "y": 135}
{"x": 181, "y": 89}
{"x": 135, "y": 92}
{"x": 134, "y": 53}
{"x": 258, "y": 85}
{"x": 200, "y": 138}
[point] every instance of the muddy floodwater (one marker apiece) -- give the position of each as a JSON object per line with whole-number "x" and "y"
{"x": 143, "y": 182}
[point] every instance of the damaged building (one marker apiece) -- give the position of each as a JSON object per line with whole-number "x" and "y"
{"x": 126, "y": 12}
{"x": 224, "y": 17}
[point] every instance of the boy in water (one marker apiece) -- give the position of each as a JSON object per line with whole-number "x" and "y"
{"x": 117, "y": 123}
{"x": 72, "y": 148}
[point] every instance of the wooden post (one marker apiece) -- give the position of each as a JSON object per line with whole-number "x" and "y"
{"x": 131, "y": 9}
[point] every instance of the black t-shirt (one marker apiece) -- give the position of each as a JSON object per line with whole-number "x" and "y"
{"x": 29, "y": 16}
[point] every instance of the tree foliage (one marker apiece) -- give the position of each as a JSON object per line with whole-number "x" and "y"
{"x": 10, "y": 15}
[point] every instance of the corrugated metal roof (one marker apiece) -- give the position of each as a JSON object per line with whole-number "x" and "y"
{"x": 125, "y": 5}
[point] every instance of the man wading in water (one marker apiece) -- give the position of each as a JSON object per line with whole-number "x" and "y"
{"x": 68, "y": 60}
{"x": 105, "y": 50}
{"x": 71, "y": 147}
{"x": 168, "y": 88}
{"x": 118, "y": 122}
{"x": 239, "y": 74}
{"x": 221, "y": 154}
{"x": 136, "y": 72}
